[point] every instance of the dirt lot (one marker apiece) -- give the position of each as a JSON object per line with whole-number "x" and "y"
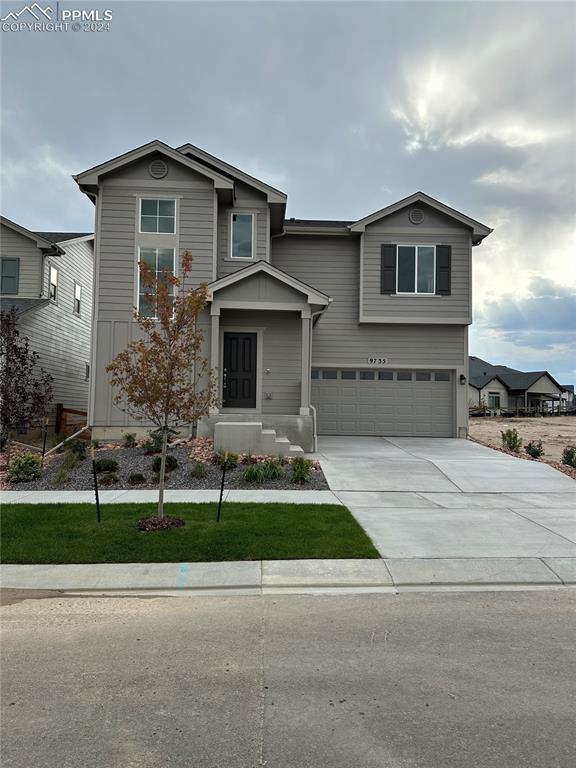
{"x": 556, "y": 432}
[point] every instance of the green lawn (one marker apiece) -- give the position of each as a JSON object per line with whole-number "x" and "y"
{"x": 69, "y": 533}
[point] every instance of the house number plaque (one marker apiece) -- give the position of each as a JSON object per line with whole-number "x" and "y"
{"x": 377, "y": 360}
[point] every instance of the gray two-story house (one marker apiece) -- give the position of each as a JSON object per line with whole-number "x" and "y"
{"x": 47, "y": 278}
{"x": 313, "y": 327}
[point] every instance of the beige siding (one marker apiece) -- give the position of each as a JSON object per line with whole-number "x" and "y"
{"x": 260, "y": 287}
{"x": 436, "y": 229}
{"x": 248, "y": 200}
{"x": 15, "y": 245}
{"x": 62, "y": 338}
{"x": 281, "y": 355}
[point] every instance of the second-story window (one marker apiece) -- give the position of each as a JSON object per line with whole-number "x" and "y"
{"x": 77, "y": 298}
{"x": 53, "y": 292}
{"x": 158, "y": 216}
{"x": 416, "y": 269}
{"x": 242, "y": 236}
{"x": 161, "y": 262}
{"x": 10, "y": 273}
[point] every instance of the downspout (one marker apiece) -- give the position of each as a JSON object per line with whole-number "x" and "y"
{"x": 314, "y": 318}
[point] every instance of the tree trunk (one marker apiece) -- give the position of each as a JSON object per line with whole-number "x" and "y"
{"x": 162, "y": 472}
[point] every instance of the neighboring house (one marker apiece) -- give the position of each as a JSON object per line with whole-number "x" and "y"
{"x": 501, "y": 388}
{"x": 47, "y": 277}
{"x": 362, "y": 323}
{"x": 568, "y": 396}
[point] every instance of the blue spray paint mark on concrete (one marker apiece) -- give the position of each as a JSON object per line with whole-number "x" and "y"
{"x": 184, "y": 568}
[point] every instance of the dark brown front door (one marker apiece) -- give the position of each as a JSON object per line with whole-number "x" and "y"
{"x": 239, "y": 374}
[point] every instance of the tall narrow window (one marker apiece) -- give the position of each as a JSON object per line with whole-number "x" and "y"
{"x": 416, "y": 269}
{"x": 10, "y": 271}
{"x": 242, "y": 236}
{"x": 53, "y": 291}
{"x": 161, "y": 262}
{"x": 158, "y": 216}
{"x": 77, "y": 298}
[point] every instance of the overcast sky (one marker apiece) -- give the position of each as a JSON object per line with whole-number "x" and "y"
{"x": 347, "y": 107}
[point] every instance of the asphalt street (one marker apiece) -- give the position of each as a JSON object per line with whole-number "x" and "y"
{"x": 440, "y": 680}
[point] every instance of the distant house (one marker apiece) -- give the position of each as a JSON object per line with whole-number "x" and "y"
{"x": 499, "y": 387}
{"x": 47, "y": 278}
{"x": 568, "y": 395}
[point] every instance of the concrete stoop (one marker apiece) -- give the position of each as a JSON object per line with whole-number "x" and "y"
{"x": 250, "y": 437}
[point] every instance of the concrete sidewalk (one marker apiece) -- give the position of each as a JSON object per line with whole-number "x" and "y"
{"x": 170, "y": 496}
{"x": 293, "y": 576}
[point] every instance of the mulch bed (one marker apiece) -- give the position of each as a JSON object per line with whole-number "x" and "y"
{"x": 564, "y": 468}
{"x": 187, "y": 453}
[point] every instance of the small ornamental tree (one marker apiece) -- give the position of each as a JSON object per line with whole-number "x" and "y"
{"x": 162, "y": 378}
{"x": 25, "y": 387}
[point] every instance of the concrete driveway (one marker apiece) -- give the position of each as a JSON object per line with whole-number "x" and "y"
{"x": 443, "y": 498}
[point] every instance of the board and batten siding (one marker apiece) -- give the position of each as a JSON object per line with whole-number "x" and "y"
{"x": 59, "y": 336}
{"x": 247, "y": 200}
{"x": 14, "y": 245}
{"x": 436, "y": 229}
{"x": 331, "y": 264}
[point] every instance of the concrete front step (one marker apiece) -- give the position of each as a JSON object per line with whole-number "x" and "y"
{"x": 249, "y": 437}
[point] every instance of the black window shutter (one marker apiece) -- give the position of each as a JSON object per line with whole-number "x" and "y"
{"x": 388, "y": 268}
{"x": 443, "y": 269}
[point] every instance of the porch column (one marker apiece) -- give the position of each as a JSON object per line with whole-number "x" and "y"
{"x": 215, "y": 345}
{"x": 305, "y": 386}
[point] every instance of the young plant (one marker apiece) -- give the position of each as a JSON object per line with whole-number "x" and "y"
{"x": 272, "y": 469}
{"x": 136, "y": 478}
{"x": 129, "y": 440}
{"x": 301, "y": 469}
{"x": 61, "y": 477}
{"x": 224, "y": 458}
{"x": 162, "y": 378}
{"x": 109, "y": 478}
{"x": 106, "y": 465}
{"x": 154, "y": 442}
{"x": 78, "y": 448}
{"x": 171, "y": 463}
{"x": 253, "y": 473}
{"x": 569, "y": 456}
{"x": 70, "y": 461}
{"x": 534, "y": 448}
{"x": 95, "y": 444}
{"x": 511, "y": 440}
{"x": 24, "y": 467}
{"x": 199, "y": 471}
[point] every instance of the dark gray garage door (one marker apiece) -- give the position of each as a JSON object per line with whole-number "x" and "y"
{"x": 417, "y": 403}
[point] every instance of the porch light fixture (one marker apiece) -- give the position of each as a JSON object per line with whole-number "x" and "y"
{"x": 462, "y": 379}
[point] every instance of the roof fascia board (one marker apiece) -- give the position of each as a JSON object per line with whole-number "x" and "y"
{"x": 41, "y": 242}
{"x": 92, "y": 175}
{"x": 477, "y": 227}
{"x": 274, "y": 195}
{"x": 296, "y": 230}
{"x": 263, "y": 266}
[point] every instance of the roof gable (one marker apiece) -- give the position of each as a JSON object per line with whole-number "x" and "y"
{"x": 38, "y": 238}
{"x": 92, "y": 175}
{"x": 273, "y": 195}
{"x": 479, "y": 230}
{"x": 313, "y": 296}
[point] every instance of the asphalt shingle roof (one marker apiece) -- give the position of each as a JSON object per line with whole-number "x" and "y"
{"x": 60, "y": 237}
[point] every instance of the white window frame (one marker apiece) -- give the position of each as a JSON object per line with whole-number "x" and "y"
{"x": 494, "y": 395}
{"x": 174, "y": 272}
{"x": 50, "y": 283}
{"x": 231, "y": 228}
{"x": 415, "y": 292}
{"x": 158, "y": 199}
{"x": 79, "y": 287}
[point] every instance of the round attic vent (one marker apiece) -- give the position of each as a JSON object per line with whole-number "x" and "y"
{"x": 416, "y": 215}
{"x": 158, "y": 169}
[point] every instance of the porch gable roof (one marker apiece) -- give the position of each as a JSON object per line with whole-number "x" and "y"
{"x": 313, "y": 296}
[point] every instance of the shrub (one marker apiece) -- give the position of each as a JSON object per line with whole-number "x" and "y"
{"x": 171, "y": 463}
{"x": 569, "y": 456}
{"x": 95, "y": 444}
{"x": 534, "y": 448}
{"x": 24, "y": 467}
{"x": 254, "y": 473}
{"x": 70, "y": 461}
{"x": 199, "y": 471}
{"x": 109, "y": 478}
{"x": 154, "y": 442}
{"x": 61, "y": 477}
{"x": 272, "y": 469}
{"x": 301, "y": 469}
{"x": 230, "y": 460}
{"x": 136, "y": 478}
{"x": 78, "y": 448}
{"x": 106, "y": 465}
{"x": 511, "y": 440}
{"x": 129, "y": 440}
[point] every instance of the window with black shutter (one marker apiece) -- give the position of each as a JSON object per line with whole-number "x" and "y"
{"x": 443, "y": 269}
{"x": 388, "y": 268}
